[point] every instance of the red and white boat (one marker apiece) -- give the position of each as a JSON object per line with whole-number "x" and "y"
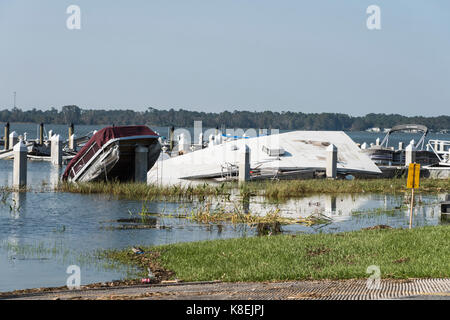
{"x": 110, "y": 154}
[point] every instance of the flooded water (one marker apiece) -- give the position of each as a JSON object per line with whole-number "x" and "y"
{"x": 43, "y": 232}
{"x": 32, "y": 131}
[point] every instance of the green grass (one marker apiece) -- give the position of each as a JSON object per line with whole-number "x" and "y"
{"x": 400, "y": 253}
{"x": 274, "y": 190}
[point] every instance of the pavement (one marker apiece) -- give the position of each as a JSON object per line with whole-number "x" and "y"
{"x": 413, "y": 289}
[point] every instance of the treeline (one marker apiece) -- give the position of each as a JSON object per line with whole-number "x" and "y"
{"x": 235, "y": 119}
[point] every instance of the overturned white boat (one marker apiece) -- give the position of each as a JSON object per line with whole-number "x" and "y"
{"x": 287, "y": 155}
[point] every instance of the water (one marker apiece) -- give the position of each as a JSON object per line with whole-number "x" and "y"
{"x": 43, "y": 232}
{"x": 32, "y": 131}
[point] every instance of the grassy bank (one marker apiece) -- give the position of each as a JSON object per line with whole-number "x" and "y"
{"x": 418, "y": 253}
{"x": 275, "y": 190}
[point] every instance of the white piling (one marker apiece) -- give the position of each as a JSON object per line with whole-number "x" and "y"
{"x": 72, "y": 144}
{"x": 183, "y": 145}
{"x": 244, "y": 164}
{"x": 140, "y": 164}
{"x": 20, "y": 165}
{"x": 331, "y": 168}
{"x": 56, "y": 150}
{"x": 377, "y": 142}
{"x": 410, "y": 154}
{"x": 200, "y": 139}
{"x": 400, "y": 146}
{"x": 13, "y": 139}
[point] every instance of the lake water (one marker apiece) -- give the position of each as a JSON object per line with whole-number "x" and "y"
{"x": 43, "y": 232}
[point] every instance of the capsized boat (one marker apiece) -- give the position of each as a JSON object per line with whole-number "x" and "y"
{"x": 291, "y": 155}
{"x": 110, "y": 154}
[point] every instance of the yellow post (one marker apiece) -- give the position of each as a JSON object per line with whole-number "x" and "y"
{"x": 413, "y": 183}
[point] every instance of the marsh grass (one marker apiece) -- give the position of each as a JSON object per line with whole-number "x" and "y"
{"x": 271, "y": 190}
{"x": 400, "y": 254}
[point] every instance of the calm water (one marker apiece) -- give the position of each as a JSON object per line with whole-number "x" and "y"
{"x": 32, "y": 131}
{"x": 43, "y": 232}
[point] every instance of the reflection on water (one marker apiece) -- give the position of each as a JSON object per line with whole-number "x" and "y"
{"x": 43, "y": 232}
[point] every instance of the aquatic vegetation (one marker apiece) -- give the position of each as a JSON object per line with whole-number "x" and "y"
{"x": 272, "y": 190}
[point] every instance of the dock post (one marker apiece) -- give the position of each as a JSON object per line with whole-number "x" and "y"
{"x": 41, "y": 134}
{"x": 71, "y": 136}
{"x": 56, "y": 150}
{"x": 13, "y": 139}
{"x": 244, "y": 165}
{"x": 140, "y": 164}
{"x": 200, "y": 140}
{"x": 171, "y": 138}
{"x": 20, "y": 165}
{"x": 331, "y": 168}
{"x": 377, "y": 142}
{"x": 410, "y": 154}
{"x": 6, "y": 136}
{"x": 400, "y": 146}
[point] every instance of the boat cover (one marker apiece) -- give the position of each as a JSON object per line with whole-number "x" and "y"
{"x": 99, "y": 139}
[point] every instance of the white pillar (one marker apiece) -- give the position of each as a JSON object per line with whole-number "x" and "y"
{"x": 20, "y": 165}
{"x": 244, "y": 164}
{"x": 56, "y": 150}
{"x": 13, "y": 139}
{"x": 331, "y": 168}
{"x": 200, "y": 139}
{"x": 183, "y": 145}
{"x": 140, "y": 164}
{"x": 377, "y": 142}
{"x": 400, "y": 146}
{"x": 72, "y": 144}
{"x": 410, "y": 154}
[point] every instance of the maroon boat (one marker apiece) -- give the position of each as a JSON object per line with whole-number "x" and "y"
{"x": 115, "y": 153}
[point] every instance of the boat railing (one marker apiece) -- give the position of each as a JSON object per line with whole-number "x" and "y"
{"x": 84, "y": 159}
{"x": 441, "y": 149}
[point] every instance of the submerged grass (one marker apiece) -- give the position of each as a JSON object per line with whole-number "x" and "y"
{"x": 272, "y": 190}
{"x": 142, "y": 191}
{"x": 402, "y": 253}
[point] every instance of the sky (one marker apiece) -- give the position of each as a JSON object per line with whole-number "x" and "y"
{"x": 217, "y": 55}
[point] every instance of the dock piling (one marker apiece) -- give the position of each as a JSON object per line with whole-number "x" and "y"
{"x": 13, "y": 139}
{"x": 331, "y": 165}
{"x": 20, "y": 165}
{"x": 56, "y": 150}
{"x": 140, "y": 164}
{"x": 6, "y": 136}
{"x": 244, "y": 164}
{"x": 41, "y": 134}
{"x": 410, "y": 154}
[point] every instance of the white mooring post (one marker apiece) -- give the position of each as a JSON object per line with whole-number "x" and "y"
{"x": 56, "y": 150}
{"x": 331, "y": 169}
{"x": 140, "y": 164}
{"x": 13, "y": 139}
{"x": 400, "y": 146}
{"x": 410, "y": 154}
{"x": 244, "y": 164}
{"x": 72, "y": 144}
{"x": 20, "y": 165}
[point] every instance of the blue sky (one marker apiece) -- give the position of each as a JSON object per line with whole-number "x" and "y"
{"x": 215, "y": 55}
